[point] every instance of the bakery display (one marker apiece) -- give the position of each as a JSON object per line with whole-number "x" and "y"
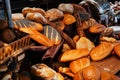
{"x": 61, "y": 43}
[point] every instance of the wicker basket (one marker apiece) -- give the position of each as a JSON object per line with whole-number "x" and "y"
{"x": 14, "y": 48}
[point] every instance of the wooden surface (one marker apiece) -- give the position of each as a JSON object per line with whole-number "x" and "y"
{"x": 111, "y": 64}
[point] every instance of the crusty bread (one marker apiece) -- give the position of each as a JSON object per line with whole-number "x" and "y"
{"x": 54, "y": 14}
{"x": 117, "y": 49}
{"x": 38, "y": 17}
{"x": 69, "y": 19}
{"x": 60, "y": 24}
{"x": 66, "y": 8}
{"x": 97, "y": 28}
{"x": 78, "y": 76}
{"x": 17, "y": 16}
{"x": 91, "y": 73}
{"x": 26, "y": 10}
{"x": 84, "y": 42}
{"x": 101, "y": 51}
{"x": 79, "y": 64}
{"x": 74, "y": 54}
{"x": 88, "y": 23}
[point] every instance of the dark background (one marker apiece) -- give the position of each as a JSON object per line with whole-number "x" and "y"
{"x": 17, "y": 5}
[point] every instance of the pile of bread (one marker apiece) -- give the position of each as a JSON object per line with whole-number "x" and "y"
{"x": 80, "y": 57}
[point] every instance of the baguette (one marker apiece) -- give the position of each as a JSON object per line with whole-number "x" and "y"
{"x": 74, "y": 54}
{"x": 101, "y": 51}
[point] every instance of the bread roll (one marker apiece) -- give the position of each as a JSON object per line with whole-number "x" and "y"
{"x": 88, "y": 23}
{"x": 91, "y": 73}
{"x": 78, "y": 76}
{"x": 66, "y": 8}
{"x": 117, "y": 49}
{"x": 79, "y": 64}
{"x": 60, "y": 24}
{"x": 44, "y": 71}
{"x": 69, "y": 19}
{"x": 84, "y": 42}
{"x": 17, "y": 16}
{"x": 101, "y": 51}
{"x": 32, "y": 10}
{"x": 54, "y": 14}
{"x": 76, "y": 38}
{"x": 108, "y": 39}
{"x": 74, "y": 54}
{"x": 38, "y": 17}
{"x": 97, "y": 28}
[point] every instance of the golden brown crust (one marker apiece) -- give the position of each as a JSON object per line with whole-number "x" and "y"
{"x": 32, "y": 10}
{"x": 91, "y": 73}
{"x": 54, "y": 14}
{"x": 88, "y": 23}
{"x": 79, "y": 64}
{"x": 38, "y": 17}
{"x": 101, "y": 51}
{"x": 69, "y": 19}
{"x": 84, "y": 42}
{"x": 70, "y": 55}
{"x": 117, "y": 49}
{"x": 97, "y": 28}
{"x": 78, "y": 76}
{"x": 60, "y": 24}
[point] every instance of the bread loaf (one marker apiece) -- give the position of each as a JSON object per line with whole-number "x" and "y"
{"x": 17, "y": 16}
{"x": 101, "y": 51}
{"x": 79, "y": 64}
{"x": 74, "y": 54}
{"x": 69, "y": 19}
{"x": 26, "y": 10}
{"x": 91, "y": 73}
{"x": 66, "y": 8}
{"x": 54, "y": 14}
{"x": 97, "y": 28}
{"x": 117, "y": 49}
{"x": 38, "y": 17}
{"x": 84, "y": 42}
{"x": 78, "y": 76}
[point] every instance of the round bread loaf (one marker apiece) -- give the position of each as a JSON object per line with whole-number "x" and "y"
{"x": 91, "y": 73}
